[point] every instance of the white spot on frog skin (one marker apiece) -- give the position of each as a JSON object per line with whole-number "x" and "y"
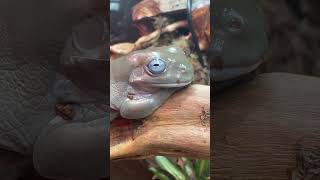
{"x": 172, "y": 50}
{"x": 182, "y": 68}
{"x": 178, "y": 76}
{"x": 155, "y": 54}
{"x": 171, "y": 60}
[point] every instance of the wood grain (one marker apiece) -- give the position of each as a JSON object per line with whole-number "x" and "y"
{"x": 180, "y": 127}
{"x": 260, "y": 127}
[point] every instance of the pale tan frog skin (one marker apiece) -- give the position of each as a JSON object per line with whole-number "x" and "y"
{"x": 135, "y": 92}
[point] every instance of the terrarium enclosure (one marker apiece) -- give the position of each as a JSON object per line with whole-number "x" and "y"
{"x": 172, "y": 38}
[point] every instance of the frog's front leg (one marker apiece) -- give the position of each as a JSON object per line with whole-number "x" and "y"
{"x": 137, "y": 106}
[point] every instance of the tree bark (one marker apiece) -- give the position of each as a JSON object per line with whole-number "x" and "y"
{"x": 180, "y": 127}
{"x": 267, "y": 129}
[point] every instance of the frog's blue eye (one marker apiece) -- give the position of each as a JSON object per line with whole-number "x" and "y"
{"x": 156, "y": 66}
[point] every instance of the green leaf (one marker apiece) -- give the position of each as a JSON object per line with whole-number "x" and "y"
{"x": 159, "y": 174}
{"x": 188, "y": 168}
{"x": 202, "y": 168}
{"x": 171, "y": 168}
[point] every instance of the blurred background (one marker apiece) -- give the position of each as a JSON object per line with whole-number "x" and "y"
{"x": 293, "y": 29}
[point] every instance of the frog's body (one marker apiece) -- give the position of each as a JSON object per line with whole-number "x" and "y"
{"x": 141, "y": 81}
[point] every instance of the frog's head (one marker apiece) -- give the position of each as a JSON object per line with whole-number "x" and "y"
{"x": 160, "y": 67}
{"x": 239, "y": 39}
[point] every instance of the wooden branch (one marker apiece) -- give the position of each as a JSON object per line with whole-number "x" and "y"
{"x": 262, "y": 127}
{"x": 180, "y": 127}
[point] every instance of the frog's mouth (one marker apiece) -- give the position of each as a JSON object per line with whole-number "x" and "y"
{"x": 170, "y": 85}
{"x": 147, "y": 89}
{"x": 151, "y": 87}
{"x": 152, "y": 84}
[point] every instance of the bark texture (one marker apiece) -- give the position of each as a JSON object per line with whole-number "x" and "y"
{"x": 267, "y": 129}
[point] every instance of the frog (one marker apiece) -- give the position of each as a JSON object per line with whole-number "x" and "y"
{"x": 239, "y": 40}
{"x": 141, "y": 81}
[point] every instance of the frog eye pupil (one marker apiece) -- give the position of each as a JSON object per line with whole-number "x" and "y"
{"x": 233, "y": 20}
{"x": 156, "y": 66}
{"x": 234, "y": 23}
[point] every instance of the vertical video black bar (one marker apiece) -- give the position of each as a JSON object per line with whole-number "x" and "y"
{"x": 107, "y": 45}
